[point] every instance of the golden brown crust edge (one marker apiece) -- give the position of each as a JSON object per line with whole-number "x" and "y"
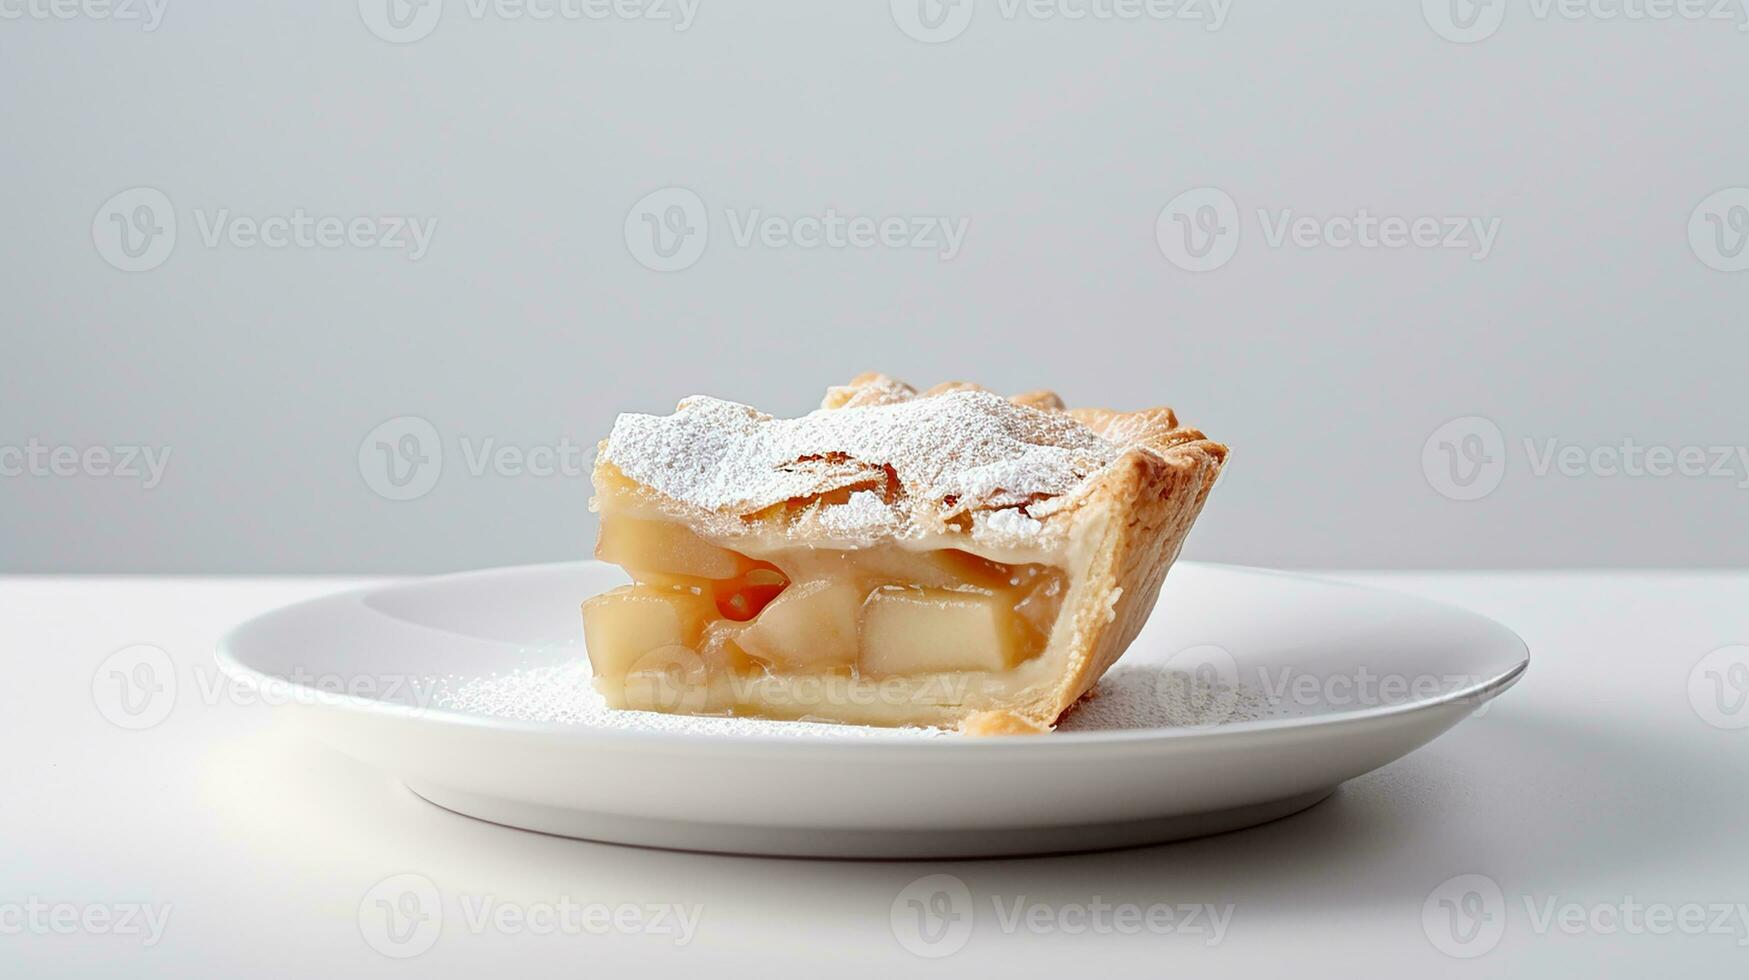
{"x": 1168, "y": 492}
{"x": 1154, "y": 428}
{"x": 1143, "y": 510}
{"x": 1148, "y": 507}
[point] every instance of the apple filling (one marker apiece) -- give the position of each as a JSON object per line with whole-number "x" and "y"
{"x": 878, "y": 635}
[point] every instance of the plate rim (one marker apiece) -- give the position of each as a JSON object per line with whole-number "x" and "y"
{"x": 226, "y": 657}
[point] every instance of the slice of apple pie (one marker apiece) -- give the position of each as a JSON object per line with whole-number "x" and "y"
{"x": 950, "y": 558}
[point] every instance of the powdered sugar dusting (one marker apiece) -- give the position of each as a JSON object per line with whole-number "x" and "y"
{"x": 1013, "y": 522}
{"x": 863, "y": 513}
{"x": 1132, "y": 697}
{"x": 564, "y": 695}
{"x": 1128, "y": 698}
{"x": 962, "y": 449}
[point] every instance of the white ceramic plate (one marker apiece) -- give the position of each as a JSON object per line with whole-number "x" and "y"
{"x": 1353, "y": 679}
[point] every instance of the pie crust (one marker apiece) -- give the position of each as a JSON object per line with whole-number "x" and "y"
{"x": 949, "y": 558}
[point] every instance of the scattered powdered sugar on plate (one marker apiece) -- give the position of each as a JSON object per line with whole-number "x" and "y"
{"x": 1126, "y": 699}
{"x": 564, "y": 695}
{"x": 1136, "y": 697}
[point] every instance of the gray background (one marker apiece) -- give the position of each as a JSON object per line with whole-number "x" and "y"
{"x": 531, "y": 321}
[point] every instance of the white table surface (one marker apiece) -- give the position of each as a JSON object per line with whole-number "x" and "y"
{"x": 1594, "y": 784}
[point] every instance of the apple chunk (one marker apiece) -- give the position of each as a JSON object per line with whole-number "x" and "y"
{"x": 810, "y": 624}
{"x": 632, "y": 622}
{"x": 911, "y": 631}
{"x": 639, "y": 545}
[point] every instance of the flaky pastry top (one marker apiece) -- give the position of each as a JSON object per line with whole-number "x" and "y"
{"x": 882, "y": 461}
